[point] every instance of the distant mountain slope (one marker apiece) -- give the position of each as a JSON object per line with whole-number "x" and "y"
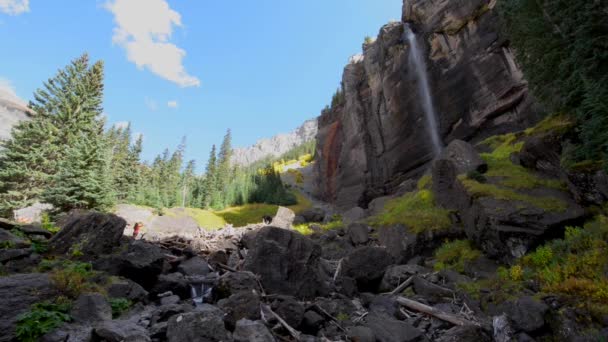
{"x": 275, "y": 146}
{"x": 12, "y": 110}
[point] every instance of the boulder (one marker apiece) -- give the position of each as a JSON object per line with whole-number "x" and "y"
{"x": 203, "y": 325}
{"x": 464, "y": 157}
{"x": 399, "y": 243}
{"x": 542, "y": 153}
{"x": 468, "y": 333}
{"x": 70, "y": 332}
{"x": 125, "y": 288}
{"x": 169, "y": 300}
{"x": 174, "y": 282}
{"x": 392, "y": 330}
{"x": 289, "y": 308}
{"x": 588, "y": 188}
{"x": 251, "y": 331}
{"x": 358, "y": 233}
{"x": 91, "y": 308}
{"x": 353, "y": 215}
{"x": 313, "y": 215}
{"x": 245, "y": 304}
{"x": 311, "y": 322}
{"x": 142, "y": 263}
{"x": 92, "y": 233}
{"x": 397, "y": 274}
{"x": 385, "y": 306}
{"x": 10, "y": 240}
{"x": 35, "y": 230}
{"x": 431, "y": 292}
{"x": 448, "y": 192}
{"x": 17, "y": 293}
{"x": 233, "y": 282}
{"x": 119, "y": 331}
{"x": 283, "y": 218}
{"x": 527, "y": 314}
{"x": 367, "y": 274}
{"x": 163, "y": 313}
{"x": 287, "y": 263}
{"x": 195, "y": 266}
{"x": 361, "y": 334}
{"x": 7, "y": 255}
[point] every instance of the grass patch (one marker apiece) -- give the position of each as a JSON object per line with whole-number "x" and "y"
{"x": 303, "y": 203}
{"x": 425, "y": 182}
{"x": 206, "y": 218}
{"x": 42, "y": 318}
{"x": 305, "y": 228}
{"x": 477, "y": 190}
{"x": 559, "y": 124}
{"x": 119, "y": 306}
{"x": 71, "y": 278}
{"x": 247, "y": 214}
{"x": 416, "y": 210}
{"x": 454, "y": 255}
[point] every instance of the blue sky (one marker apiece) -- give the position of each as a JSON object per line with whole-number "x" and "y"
{"x": 194, "y": 67}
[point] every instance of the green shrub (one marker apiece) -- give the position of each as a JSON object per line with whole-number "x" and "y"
{"x": 39, "y": 247}
{"x": 476, "y": 176}
{"x": 119, "y": 306}
{"x": 416, "y": 210}
{"x": 455, "y": 255}
{"x": 69, "y": 277}
{"x": 41, "y": 319}
{"x": 47, "y": 224}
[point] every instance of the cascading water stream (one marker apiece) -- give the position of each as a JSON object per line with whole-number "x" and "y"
{"x": 417, "y": 62}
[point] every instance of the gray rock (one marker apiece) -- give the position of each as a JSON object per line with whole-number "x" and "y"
{"x": 18, "y": 292}
{"x": 169, "y": 300}
{"x": 361, "y": 334}
{"x": 431, "y": 292}
{"x": 392, "y": 330}
{"x": 367, "y": 274}
{"x": 118, "y": 331}
{"x": 195, "y": 266}
{"x": 287, "y": 263}
{"x": 464, "y": 157}
{"x": 251, "y": 331}
{"x": 174, "y": 282}
{"x": 11, "y": 240}
{"x": 353, "y": 215}
{"x": 398, "y": 242}
{"x": 14, "y": 254}
{"x": 283, "y": 218}
{"x": 125, "y": 288}
{"x": 313, "y": 215}
{"x": 33, "y": 213}
{"x": 233, "y": 282}
{"x": 464, "y": 334}
{"x": 90, "y": 308}
{"x": 385, "y": 306}
{"x": 311, "y": 322}
{"x": 142, "y": 263}
{"x": 36, "y": 230}
{"x": 70, "y": 332}
{"x": 527, "y": 314}
{"x": 163, "y": 313}
{"x": 289, "y": 308}
{"x": 92, "y": 233}
{"x": 449, "y": 193}
{"x": 241, "y": 305}
{"x": 204, "y": 325}
{"x": 397, "y": 274}
{"x": 358, "y": 233}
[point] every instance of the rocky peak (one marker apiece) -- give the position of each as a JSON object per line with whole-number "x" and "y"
{"x": 12, "y": 110}
{"x": 275, "y": 146}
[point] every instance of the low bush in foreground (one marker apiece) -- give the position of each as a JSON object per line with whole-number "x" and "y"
{"x": 455, "y": 255}
{"x": 42, "y": 318}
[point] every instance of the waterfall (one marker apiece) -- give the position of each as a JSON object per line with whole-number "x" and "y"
{"x": 201, "y": 288}
{"x": 424, "y": 90}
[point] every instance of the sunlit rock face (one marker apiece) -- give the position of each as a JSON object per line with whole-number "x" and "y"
{"x": 375, "y": 140}
{"x": 275, "y": 146}
{"x": 12, "y": 110}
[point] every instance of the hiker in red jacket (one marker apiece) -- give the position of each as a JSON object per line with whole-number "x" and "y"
{"x": 136, "y": 229}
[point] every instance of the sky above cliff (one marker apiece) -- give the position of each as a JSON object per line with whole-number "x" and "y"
{"x": 191, "y": 67}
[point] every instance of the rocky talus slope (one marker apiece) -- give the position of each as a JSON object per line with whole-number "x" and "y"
{"x": 275, "y": 146}
{"x": 375, "y": 139}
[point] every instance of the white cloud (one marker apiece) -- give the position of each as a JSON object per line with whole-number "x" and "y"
{"x": 144, "y": 29}
{"x": 151, "y": 104}
{"x": 14, "y": 7}
{"x": 121, "y": 124}
{"x": 7, "y": 91}
{"x": 172, "y": 104}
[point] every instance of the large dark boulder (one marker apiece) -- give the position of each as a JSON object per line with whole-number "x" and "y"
{"x": 17, "y": 293}
{"x": 233, "y": 282}
{"x": 91, "y": 308}
{"x": 527, "y": 314}
{"x": 467, "y": 333}
{"x": 142, "y": 263}
{"x": 8, "y": 239}
{"x": 289, "y": 308}
{"x": 241, "y": 305}
{"x": 448, "y": 192}
{"x": 251, "y": 331}
{"x": 174, "y": 282}
{"x": 367, "y": 266}
{"x": 119, "y": 331}
{"x": 195, "y": 266}
{"x": 92, "y": 234}
{"x": 392, "y": 330}
{"x": 126, "y": 288}
{"x": 397, "y": 274}
{"x": 287, "y": 263}
{"x": 206, "y": 324}
{"x": 464, "y": 157}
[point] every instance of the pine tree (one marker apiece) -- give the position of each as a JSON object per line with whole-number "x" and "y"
{"x": 210, "y": 184}
{"x": 224, "y": 171}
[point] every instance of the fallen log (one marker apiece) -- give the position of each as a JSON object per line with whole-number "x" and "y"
{"x": 403, "y": 286}
{"x": 442, "y": 315}
{"x": 293, "y": 332}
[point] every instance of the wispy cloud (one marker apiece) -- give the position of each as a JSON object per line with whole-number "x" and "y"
{"x": 144, "y": 29}
{"x": 7, "y": 91}
{"x": 121, "y": 124}
{"x": 172, "y": 104}
{"x": 14, "y": 7}
{"x": 151, "y": 104}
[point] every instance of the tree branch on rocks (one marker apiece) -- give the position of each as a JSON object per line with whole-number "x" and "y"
{"x": 442, "y": 315}
{"x": 293, "y": 332}
{"x": 402, "y": 286}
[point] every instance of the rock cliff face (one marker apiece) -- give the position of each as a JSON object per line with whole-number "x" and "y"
{"x": 376, "y": 138}
{"x": 275, "y": 146}
{"x": 12, "y": 110}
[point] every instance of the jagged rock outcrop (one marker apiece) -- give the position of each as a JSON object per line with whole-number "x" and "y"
{"x": 376, "y": 138}
{"x": 275, "y": 146}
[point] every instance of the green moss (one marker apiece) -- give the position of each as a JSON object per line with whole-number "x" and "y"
{"x": 477, "y": 189}
{"x": 516, "y": 176}
{"x": 305, "y": 228}
{"x": 557, "y": 124}
{"x": 416, "y": 210}
{"x": 425, "y": 182}
{"x": 454, "y": 255}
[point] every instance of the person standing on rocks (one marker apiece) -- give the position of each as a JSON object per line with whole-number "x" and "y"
{"x": 136, "y": 229}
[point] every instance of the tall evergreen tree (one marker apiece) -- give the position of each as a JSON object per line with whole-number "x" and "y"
{"x": 210, "y": 183}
